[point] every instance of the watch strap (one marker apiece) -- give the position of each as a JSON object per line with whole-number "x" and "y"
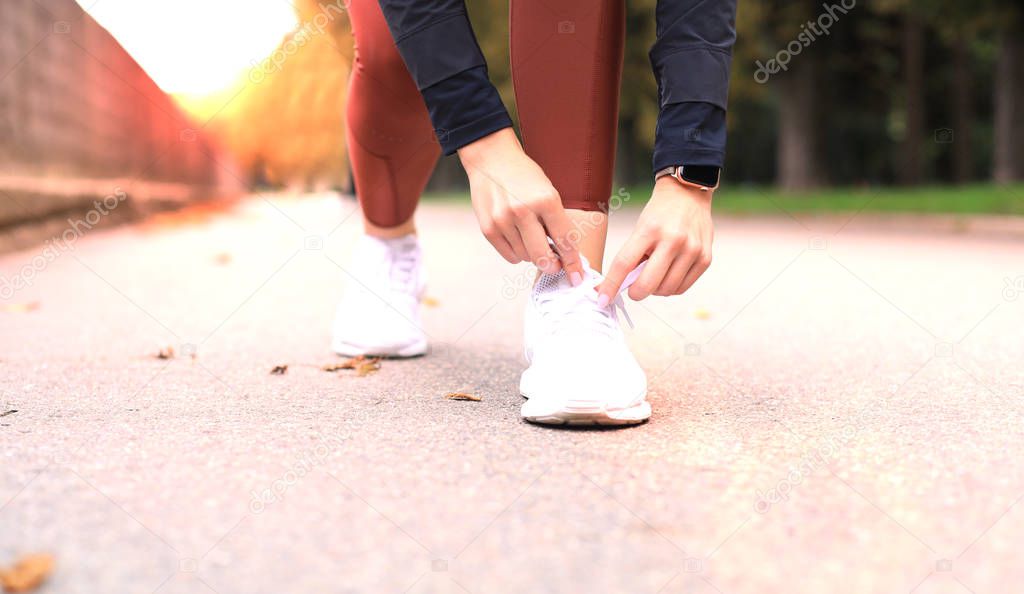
{"x": 671, "y": 170}
{"x": 678, "y": 172}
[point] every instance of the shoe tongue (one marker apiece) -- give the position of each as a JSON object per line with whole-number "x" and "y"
{"x": 375, "y": 247}
{"x": 404, "y": 242}
{"x": 548, "y": 283}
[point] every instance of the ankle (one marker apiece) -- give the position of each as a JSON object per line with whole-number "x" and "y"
{"x": 396, "y": 232}
{"x": 592, "y": 229}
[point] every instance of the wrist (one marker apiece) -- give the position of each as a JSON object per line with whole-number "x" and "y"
{"x": 670, "y": 186}
{"x": 494, "y": 143}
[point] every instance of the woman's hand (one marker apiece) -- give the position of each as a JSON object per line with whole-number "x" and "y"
{"x": 674, "y": 233}
{"x": 517, "y": 207}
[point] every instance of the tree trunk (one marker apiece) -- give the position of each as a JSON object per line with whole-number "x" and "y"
{"x": 799, "y": 141}
{"x": 1009, "y": 110}
{"x": 963, "y": 111}
{"x": 912, "y": 166}
{"x": 626, "y": 171}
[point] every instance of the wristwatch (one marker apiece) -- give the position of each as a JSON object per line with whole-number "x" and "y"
{"x": 701, "y": 177}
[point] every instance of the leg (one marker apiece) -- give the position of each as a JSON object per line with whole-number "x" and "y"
{"x": 393, "y": 151}
{"x": 391, "y": 142}
{"x": 567, "y": 69}
{"x": 567, "y": 66}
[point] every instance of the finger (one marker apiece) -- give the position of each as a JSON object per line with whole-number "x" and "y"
{"x": 507, "y": 228}
{"x": 626, "y": 260}
{"x": 700, "y": 266}
{"x": 484, "y": 210}
{"x": 561, "y": 230}
{"x": 518, "y": 246}
{"x": 498, "y": 241}
{"x": 505, "y": 249}
{"x": 654, "y": 272}
{"x": 537, "y": 245}
{"x": 675, "y": 275}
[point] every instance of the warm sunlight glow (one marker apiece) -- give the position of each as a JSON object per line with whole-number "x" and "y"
{"x": 195, "y": 47}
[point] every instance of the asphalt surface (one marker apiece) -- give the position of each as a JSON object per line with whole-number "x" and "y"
{"x": 836, "y": 409}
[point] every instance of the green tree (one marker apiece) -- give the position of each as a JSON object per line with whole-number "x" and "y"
{"x": 1008, "y": 159}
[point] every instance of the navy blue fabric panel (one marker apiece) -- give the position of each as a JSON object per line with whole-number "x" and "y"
{"x": 440, "y": 50}
{"x": 691, "y": 59}
{"x": 690, "y": 134}
{"x": 464, "y": 108}
{"x": 438, "y": 46}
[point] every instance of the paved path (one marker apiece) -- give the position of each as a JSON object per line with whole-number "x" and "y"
{"x": 836, "y": 410}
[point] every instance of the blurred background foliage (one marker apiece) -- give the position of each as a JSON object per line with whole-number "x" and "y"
{"x": 903, "y": 92}
{"x": 283, "y": 121}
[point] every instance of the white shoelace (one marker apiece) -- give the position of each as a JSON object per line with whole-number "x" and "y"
{"x": 577, "y": 308}
{"x": 403, "y": 262}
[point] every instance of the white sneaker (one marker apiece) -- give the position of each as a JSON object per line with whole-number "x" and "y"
{"x": 379, "y": 314}
{"x": 581, "y": 371}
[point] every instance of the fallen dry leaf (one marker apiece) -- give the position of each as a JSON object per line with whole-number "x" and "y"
{"x": 352, "y": 363}
{"x": 368, "y": 366}
{"x": 28, "y": 573}
{"x": 462, "y": 396}
{"x": 279, "y": 370}
{"x": 20, "y": 307}
{"x": 362, "y": 365}
{"x": 430, "y": 302}
{"x": 167, "y": 353}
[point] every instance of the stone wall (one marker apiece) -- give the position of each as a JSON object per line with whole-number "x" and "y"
{"x": 80, "y": 120}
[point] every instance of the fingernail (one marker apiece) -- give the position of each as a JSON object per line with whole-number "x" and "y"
{"x": 602, "y": 300}
{"x": 575, "y": 278}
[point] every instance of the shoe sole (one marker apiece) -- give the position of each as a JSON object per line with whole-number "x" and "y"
{"x": 416, "y": 349}
{"x": 595, "y": 415}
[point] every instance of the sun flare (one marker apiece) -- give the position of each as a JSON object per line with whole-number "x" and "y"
{"x": 195, "y": 47}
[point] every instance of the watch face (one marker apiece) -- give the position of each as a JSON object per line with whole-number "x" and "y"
{"x": 704, "y": 175}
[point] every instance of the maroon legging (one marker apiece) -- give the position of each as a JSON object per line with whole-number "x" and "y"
{"x": 566, "y": 69}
